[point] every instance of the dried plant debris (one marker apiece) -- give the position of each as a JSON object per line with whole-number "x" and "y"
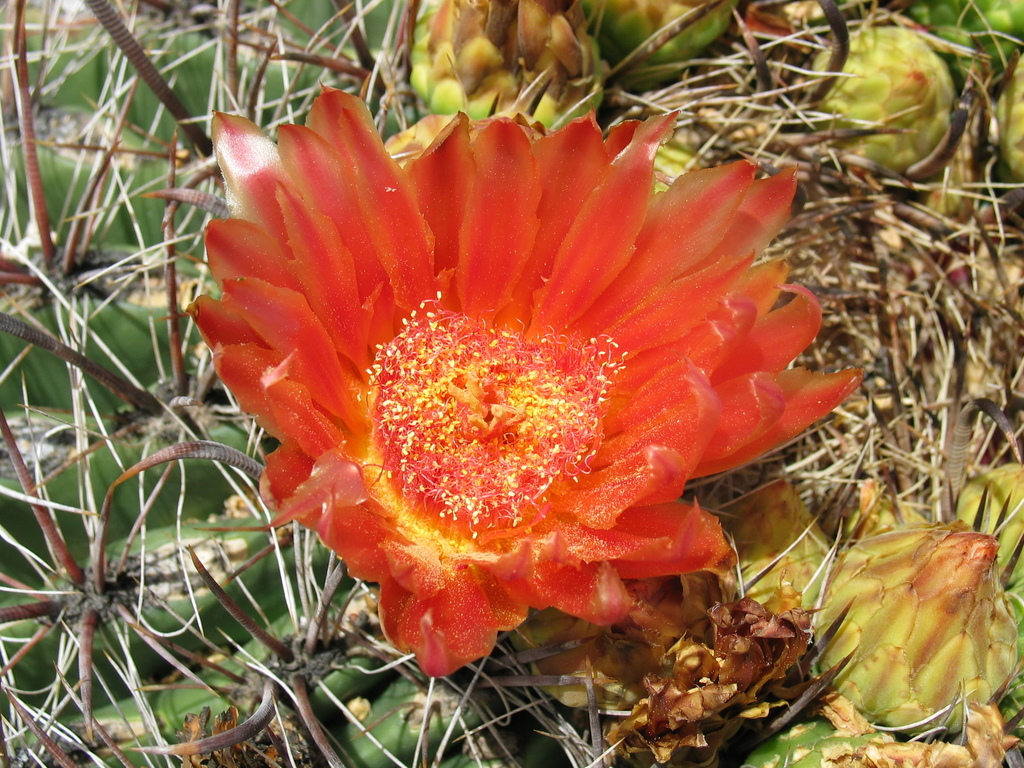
{"x": 706, "y": 693}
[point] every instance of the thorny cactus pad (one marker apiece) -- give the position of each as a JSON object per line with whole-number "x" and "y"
{"x": 492, "y": 370}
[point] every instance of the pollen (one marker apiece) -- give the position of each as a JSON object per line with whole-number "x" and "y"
{"x": 476, "y": 423}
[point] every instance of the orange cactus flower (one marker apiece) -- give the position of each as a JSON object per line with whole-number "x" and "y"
{"x": 492, "y": 370}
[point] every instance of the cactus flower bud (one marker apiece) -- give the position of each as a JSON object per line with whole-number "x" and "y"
{"x": 929, "y": 623}
{"x": 1005, "y": 487}
{"x": 625, "y": 25}
{"x": 503, "y": 57}
{"x": 894, "y": 80}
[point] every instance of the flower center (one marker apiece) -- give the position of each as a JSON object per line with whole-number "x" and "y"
{"x": 478, "y": 422}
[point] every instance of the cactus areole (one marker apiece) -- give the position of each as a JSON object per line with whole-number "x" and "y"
{"x": 492, "y": 369}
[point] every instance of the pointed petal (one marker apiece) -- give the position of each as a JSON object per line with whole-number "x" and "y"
{"x": 283, "y": 318}
{"x": 335, "y": 302}
{"x": 287, "y": 468}
{"x": 442, "y": 178}
{"x": 619, "y": 137}
{"x": 285, "y": 409}
{"x": 711, "y": 342}
{"x": 776, "y": 339}
{"x": 220, "y": 326}
{"x": 764, "y": 211}
{"x": 454, "y": 627}
{"x": 317, "y": 167}
{"x": 252, "y": 170}
{"x": 238, "y": 248}
{"x": 673, "y": 311}
{"x": 684, "y": 225}
{"x": 809, "y": 396}
{"x": 565, "y": 189}
{"x": 751, "y": 404}
{"x": 241, "y": 367}
{"x": 591, "y": 591}
{"x": 356, "y": 533}
{"x": 334, "y": 482}
{"x": 393, "y": 221}
{"x": 501, "y": 219}
{"x": 593, "y": 253}
{"x": 299, "y": 415}
{"x": 762, "y": 284}
{"x": 675, "y": 410}
{"x": 685, "y": 539}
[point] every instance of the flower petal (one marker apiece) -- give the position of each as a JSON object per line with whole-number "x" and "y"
{"x": 592, "y": 254}
{"x": 334, "y": 482}
{"x": 398, "y": 233}
{"x": 318, "y": 250}
{"x": 565, "y": 189}
{"x": 316, "y": 165}
{"x": 450, "y": 629}
{"x": 284, "y": 320}
{"x": 776, "y": 339}
{"x": 591, "y": 591}
{"x": 252, "y": 170}
{"x": 241, "y": 367}
{"x": 357, "y": 532}
{"x": 294, "y": 408}
{"x": 809, "y": 396}
{"x": 764, "y": 211}
{"x": 238, "y": 248}
{"x": 675, "y": 410}
{"x": 751, "y": 405}
{"x": 220, "y": 325}
{"x": 287, "y": 468}
{"x": 442, "y": 178}
{"x": 501, "y": 219}
{"x": 684, "y": 538}
{"x": 671, "y": 312}
{"x": 684, "y": 225}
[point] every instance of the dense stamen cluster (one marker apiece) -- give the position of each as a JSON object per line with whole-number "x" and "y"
{"x": 478, "y": 422}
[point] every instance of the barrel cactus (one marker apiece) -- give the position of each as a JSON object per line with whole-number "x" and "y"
{"x": 1010, "y": 116}
{"x": 152, "y": 613}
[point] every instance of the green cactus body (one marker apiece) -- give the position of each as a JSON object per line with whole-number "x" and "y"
{"x": 506, "y": 57}
{"x": 818, "y": 744}
{"x": 1010, "y": 116}
{"x": 624, "y": 26}
{"x": 811, "y": 744}
{"x": 966, "y": 21}
{"x": 928, "y": 622}
{"x": 393, "y": 723}
{"x": 893, "y": 80}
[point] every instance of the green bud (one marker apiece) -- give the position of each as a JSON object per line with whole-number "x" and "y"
{"x": 892, "y": 79}
{"x": 624, "y": 26}
{"x": 929, "y": 622}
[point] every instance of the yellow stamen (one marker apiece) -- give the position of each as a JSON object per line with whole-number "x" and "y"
{"x": 476, "y": 423}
